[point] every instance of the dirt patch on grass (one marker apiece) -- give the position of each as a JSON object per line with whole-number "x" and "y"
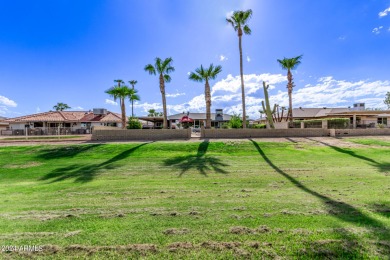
{"x": 176, "y": 231}
{"x": 241, "y": 230}
{"x": 220, "y": 245}
{"x": 180, "y": 246}
{"x": 245, "y": 230}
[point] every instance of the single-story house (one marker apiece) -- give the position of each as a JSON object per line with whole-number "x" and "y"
{"x": 67, "y": 122}
{"x": 3, "y": 125}
{"x": 217, "y": 119}
{"x": 359, "y": 117}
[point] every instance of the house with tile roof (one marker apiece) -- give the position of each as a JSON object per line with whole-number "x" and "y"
{"x": 3, "y": 125}
{"x": 62, "y": 122}
{"x": 217, "y": 119}
{"x": 359, "y": 117}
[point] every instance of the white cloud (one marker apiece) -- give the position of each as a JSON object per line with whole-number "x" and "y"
{"x": 252, "y": 83}
{"x": 377, "y": 30}
{"x": 175, "y": 95}
{"x": 7, "y": 102}
{"x": 248, "y": 59}
{"x": 342, "y": 38}
{"x": 188, "y": 73}
{"x": 111, "y": 102}
{"x": 38, "y": 109}
{"x": 78, "y": 108}
{"x": 384, "y": 12}
{"x": 229, "y": 14}
{"x": 222, "y": 57}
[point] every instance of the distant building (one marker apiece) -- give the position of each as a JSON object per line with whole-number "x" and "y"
{"x": 69, "y": 122}
{"x": 217, "y": 119}
{"x": 359, "y": 117}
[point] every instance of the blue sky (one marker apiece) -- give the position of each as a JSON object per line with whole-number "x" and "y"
{"x": 71, "y": 51}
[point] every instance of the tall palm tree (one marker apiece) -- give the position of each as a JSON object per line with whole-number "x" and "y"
{"x": 239, "y": 21}
{"x": 61, "y": 106}
{"x": 163, "y": 68}
{"x": 205, "y": 75}
{"x": 120, "y": 92}
{"x": 290, "y": 64}
{"x": 133, "y": 97}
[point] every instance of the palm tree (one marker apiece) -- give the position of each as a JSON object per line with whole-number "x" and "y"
{"x": 163, "y": 68}
{"x": 152, "y": 112}
{"x": 205, "y": 75}
{"x": 239, "y": 21}
{"x": 133, "y": 97}
{"x": 61, "y": 106}
{"x": 290, "y": 64}
{"x": 132, "y": 83}
{"x": 120, "y": 92}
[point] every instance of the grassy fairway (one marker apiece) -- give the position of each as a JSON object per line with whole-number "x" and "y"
{"x": 197, "y": 200}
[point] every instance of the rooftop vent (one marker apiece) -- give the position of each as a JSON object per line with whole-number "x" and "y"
{"x": 100, "y": 111}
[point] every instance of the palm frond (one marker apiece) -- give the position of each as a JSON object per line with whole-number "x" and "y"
{"x": 214, "y": 73}
{"x": 290, "y": 63}
{"x": 150, "y": 68}
{"x": 167, "y": 78}
{"x": 230, "y": 21}
{"x": 133, "y": 82}
{"x": 166, "y": 66}
{"x": 158, "y": 65}
{"x": 246, "y": 15}
{"x": 195, "y": 77}
{"x": 247, "y": 30}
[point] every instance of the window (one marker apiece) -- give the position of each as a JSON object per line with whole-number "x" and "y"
{"x": 38, "y": 124}
{"x": 382, "y": 120}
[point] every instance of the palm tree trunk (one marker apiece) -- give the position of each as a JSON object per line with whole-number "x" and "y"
{"x": 242, "y": 80}
{"x": 123, "y": 108}
{"x": 162, "y": 89}
{"x": 208, "y": 104}
{"x": 289, "y": 88}
{"x": 132, "y": 105}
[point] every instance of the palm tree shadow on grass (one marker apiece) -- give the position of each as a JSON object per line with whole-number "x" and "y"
{"x": 340, "y": 210}
{"x": 383, "y": 167}
{"x": 200, "y": 162}
{"x": 85, "y": 173}
{"x": 64, "y": 151}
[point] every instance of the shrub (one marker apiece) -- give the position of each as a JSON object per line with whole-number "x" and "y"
{"x": 225, "y": 126}
{"x": 259, "y": 126}
{"x": 134, "y": 123}
{"x": 235, "y": 121}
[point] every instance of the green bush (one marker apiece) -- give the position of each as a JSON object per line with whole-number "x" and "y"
{"x": 235, "y": 121}
{"x": 259, "y": 126}
{"x": 225, "y": 126}
{"x": 134, "y": 123}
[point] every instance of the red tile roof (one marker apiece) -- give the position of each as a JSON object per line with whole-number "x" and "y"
{"x": 67, "y": 116}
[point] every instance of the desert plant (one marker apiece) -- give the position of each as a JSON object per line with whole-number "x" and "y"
{"x": 267, "y": 107}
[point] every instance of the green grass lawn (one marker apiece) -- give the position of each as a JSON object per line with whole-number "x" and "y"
{"x": 370, "y": 141}
{"x": 205, "y": 200}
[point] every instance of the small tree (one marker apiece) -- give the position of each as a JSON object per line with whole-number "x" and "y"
{"x": 387, "y": 100}
{"x": 235, "y": 121}
{"x": 134, "y": 123}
